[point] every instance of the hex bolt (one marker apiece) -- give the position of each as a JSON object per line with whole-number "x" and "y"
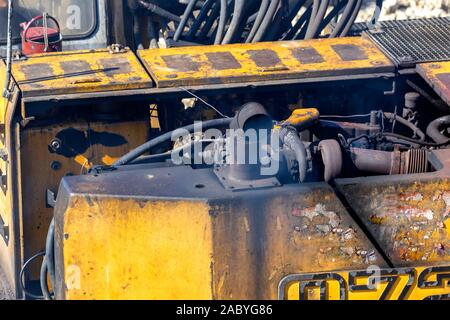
{"x": 55, "y": 145}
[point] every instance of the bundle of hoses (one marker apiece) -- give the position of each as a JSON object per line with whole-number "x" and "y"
{"x": 248, "y": 21}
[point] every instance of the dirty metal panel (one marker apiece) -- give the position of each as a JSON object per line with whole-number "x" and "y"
{"x": 286, "y": 230}
{"x": 409, "y": 218}
{"x": 80, "y": 72}
{"x": 437, "y": 74}
{"x": 194, "y": 66}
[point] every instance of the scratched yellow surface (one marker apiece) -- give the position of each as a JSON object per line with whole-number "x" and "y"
{"x": 159, "y": 250}
{"x": 92, "y": 76}
{"x": 433, "y": 73}
{"x": 288, "y": 68}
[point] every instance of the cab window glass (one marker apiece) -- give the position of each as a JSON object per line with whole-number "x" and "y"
{"x": 77, "y": 18}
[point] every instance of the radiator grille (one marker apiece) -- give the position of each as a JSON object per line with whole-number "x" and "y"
{"x": 409, "y": 42}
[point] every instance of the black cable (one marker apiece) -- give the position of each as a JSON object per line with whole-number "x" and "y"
{"x": 146, "y": 147}
{"x": 22, "y": 272}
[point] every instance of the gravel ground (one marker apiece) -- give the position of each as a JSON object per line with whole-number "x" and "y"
{"x": 408, "y": 9}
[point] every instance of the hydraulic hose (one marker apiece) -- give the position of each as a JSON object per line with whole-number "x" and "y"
{"x": 222, "y": 21}
{"x": 43, "y": 280}
{"x": 344, "y": 19}
{"x": 259, "y": 18}
{"x": 48, "y": 263}
{"x": 415, "y": 129}
{"x": 435, "y": 127}
{"x": 333, "y": 14}
{"x": 187, "y": 13}
{"x": 153, "y": 8}
{"x": 315, "y": 10}
{"x": 292, "y": 34}
{"x": 352, "y": 19}
{"x": 291, "y": 139}
{"x": 136, "y": 153}
{"x": 209, "y": 23}
{"x": 267, "y": 20}
{"x": 235, "y": 21}
{"x": 200, "y": 19}
{"x": 317, "y": 20}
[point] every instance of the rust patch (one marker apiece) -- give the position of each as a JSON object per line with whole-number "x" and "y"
{"x": 181, "y": 62}
{"x": 307, "y": 55}
{"x": 115, "y": 66}
{"x": 76, "y": 68}
{"x": 37, "y": 72}
{"x": 223, "y": 60}
{"x": 350, "y": 52}
{"x": 409, "y": 221}
{"x": 265, "y": 58}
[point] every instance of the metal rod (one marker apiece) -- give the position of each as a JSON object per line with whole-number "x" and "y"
{"x": 6, "y": 92}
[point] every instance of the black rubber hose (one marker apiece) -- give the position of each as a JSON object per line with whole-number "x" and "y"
{"x": 209, "y": 23}
{"x": 333, "y": 14}
{"x": 50, "y": 251}
{"x": 312, "y": 31}
{"x": 22, "y": 273}
{"x": 278, "y": 24}
{"x": 238, "y": 14}
{"x": 435, "y": 127}
{"x": 136, "y": 153}
{"x": 414, "y": 141}
{"x": 153, "y": 8}
{"x": 48, "y": 263}
{"x": 291, "y": 35}
{"x": 187, "y": 13}
{"x": 344, "y": 19}
{"x": 43, "y": 280}
{"x": 259, "y": 18}
{"x": 303, "y": 28}
{"x": 315, "y": 10}
{"x": 352, "y": 19}
{"x": 137, "y": 33}
{"x": 291, "y": 139}
{"x": 222, "y": 21}
{"x": 406, "y": 123}
{"x": 266, "y": 21}
{"x": 200, "y": 19}
{"x": 295, "y": 9}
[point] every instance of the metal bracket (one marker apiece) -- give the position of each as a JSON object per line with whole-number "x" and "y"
{"x": 239, "y": 185}
{"x": 50, "y": 199}
{"x": 4, "y": 231}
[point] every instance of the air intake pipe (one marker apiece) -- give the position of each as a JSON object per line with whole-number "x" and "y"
{"x": 390, "y": 163}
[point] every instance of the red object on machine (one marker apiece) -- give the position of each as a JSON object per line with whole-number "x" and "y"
{"x": 41, "y": 39}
